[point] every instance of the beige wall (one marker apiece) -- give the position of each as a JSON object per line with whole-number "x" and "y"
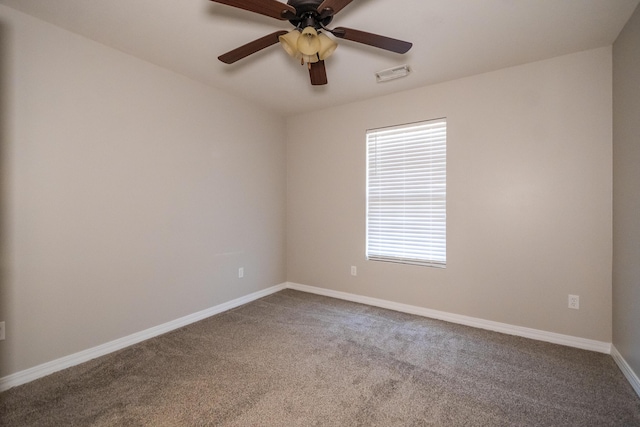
{"x": 131, "y": 195}
{"x": 529, "y": 196}
{"x": 626, "y": 193}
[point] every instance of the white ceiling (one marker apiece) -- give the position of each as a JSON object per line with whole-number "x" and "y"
{"x": 451, "y": 39}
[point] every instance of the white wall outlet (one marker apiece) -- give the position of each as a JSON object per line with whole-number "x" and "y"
{"x": 240, "y": 272}
{"x": 354, "y": 270}
{"x": 574, "y": 302}
{"x": 2, "y": 336}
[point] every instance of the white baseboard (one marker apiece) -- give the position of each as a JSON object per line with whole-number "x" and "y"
{"x": 45, "y": 369}
{"x": 552, "y": 337}
{"x": 626, "y": 370}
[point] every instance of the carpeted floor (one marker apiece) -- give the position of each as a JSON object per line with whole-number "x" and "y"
{"x": 296, "y": 359}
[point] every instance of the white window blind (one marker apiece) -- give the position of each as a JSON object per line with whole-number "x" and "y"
{"x": 406, "y": 193}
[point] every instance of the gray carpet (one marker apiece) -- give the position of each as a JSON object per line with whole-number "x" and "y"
{"x": 296, "y": 359}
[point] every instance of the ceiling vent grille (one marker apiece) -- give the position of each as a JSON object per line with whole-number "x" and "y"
{"x": 393, "y": 73}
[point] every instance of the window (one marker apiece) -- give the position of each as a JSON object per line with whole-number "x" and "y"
{"x": 406, "y": 193}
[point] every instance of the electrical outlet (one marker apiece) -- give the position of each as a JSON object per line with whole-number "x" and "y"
{"x": 354, "y": 270}
{"x": 574, "y": 302}
{"x": 240, "y": 272}
{"x": 2, "y": 332}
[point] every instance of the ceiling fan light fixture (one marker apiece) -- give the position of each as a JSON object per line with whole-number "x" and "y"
{"x": 308, "y": 45}
{"x": 289, "y": 43}
{"x": 308, "y": 42}
{"x": 327, "y": 46}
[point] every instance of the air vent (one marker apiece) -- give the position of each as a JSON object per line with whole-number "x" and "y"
{"x": 393, "y": 73}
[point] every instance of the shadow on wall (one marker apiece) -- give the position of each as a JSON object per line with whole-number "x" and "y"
{"x": 4, "y": 190}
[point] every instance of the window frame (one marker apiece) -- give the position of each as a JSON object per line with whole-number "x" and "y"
{"x": 432, "y": 196}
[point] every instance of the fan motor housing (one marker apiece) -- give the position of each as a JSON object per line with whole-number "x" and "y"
{"x": 306, "y": 9}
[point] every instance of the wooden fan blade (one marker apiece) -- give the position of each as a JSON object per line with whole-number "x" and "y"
{"x": 318, "y": 73}
{"x": 375, "y": 40}
{"x": 335, "y": 5}
{"x": 271, "y": 8}
{"x": 251, "y": 47}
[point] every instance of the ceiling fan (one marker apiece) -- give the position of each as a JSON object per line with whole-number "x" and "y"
{"x": 306, "y": 42}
